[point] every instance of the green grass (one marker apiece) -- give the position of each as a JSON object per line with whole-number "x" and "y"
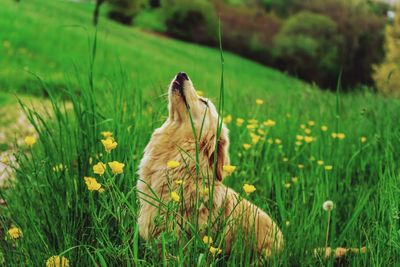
{"x": 58, "y": 215}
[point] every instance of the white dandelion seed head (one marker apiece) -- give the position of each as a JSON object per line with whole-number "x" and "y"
{"x": 328, "y": 205}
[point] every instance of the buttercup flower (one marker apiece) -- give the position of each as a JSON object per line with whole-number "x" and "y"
{"x": 92, "y": 184}
{"x": 109, "y": 144}
{"x": 298, "y": 143}
{"x": 285, "y": 159}
{"x": 14, "y": 232}
{"x": 334, "y": 135}
{"x": 207, "y": 240}
{"x": 227, "y": 119}
{"x": 251, "y": 126}
{"x": 308, "y": 139}
{"x": 57, "y": 261}
{"x": 99, "y": 168}
{"x": 363, "y": 139}
{"x": 215, "y": 251}
{"x": 259, "y": 101}
{"x": 246, "y": 146}
{"x": 179, "y": 182}
{"x": 239, "y": 121}
{"x": 328, "y": 205}
{"x": 311, "y": 123}
{"x": 301, "y": 166}
{"x": 30, "y": 140}
{"x": 341, "y": 136}
{"x": 205, "y": 191}
{"x": 302, "y": 126}
{"x": 255, "y": 138}
{"x": 106, "y": 134}
{"x": 320, "y": 162}
{"x": 249, "y": 188}
{"x": 172, "y": 164}
{"x": 174, "y": 196}
{"x": 261, "y": 132}
{"x": 252, "y": 121}
{"x": 278, "y": 141}
{"x": 299, "y": 137}
{"x": 324, "y": 128}
{"x": 269, "y": 123}
{"x": 229, "y": 168}
{"x": 116, "y": 167}
{"x": 295, "y": 179}
{"x": 307, "y": 130}
{"x": 328, "y": 167}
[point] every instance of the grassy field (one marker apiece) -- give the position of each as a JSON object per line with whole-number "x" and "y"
{"x": 316, "y": 146}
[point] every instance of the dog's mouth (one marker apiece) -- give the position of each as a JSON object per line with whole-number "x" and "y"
{"x": 178, "y": 84}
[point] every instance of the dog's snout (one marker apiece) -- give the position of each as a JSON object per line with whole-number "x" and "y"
{"x": 182, "y": 76}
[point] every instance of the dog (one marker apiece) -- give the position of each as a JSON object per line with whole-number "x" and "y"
{"x": 194, "y": 125}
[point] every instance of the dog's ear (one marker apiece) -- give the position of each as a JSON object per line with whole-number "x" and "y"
{"x": 222, "y": 153}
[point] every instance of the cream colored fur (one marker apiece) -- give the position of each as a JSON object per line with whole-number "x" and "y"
{"x": 174, "y": 140}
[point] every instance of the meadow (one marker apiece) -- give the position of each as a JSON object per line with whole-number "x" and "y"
{"x": 298, "y": 145}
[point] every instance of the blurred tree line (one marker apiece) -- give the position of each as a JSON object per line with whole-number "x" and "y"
{"x": 312, "y": 39}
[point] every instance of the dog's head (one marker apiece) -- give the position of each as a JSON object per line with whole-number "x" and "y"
{"x": 188, "y": 109}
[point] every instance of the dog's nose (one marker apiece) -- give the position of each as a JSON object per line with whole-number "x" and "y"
{"x": 182, "y": 76}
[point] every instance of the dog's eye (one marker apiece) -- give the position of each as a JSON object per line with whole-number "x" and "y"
{"x": 205, "y": 102}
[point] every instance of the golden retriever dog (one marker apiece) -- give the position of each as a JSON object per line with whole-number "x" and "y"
{"x": 197, "y": 181}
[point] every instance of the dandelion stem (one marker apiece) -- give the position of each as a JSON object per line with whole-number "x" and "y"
{"x": 327, "y": 229}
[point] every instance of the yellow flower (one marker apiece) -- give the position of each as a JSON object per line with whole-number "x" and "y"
{"x": 302, "y": 126}
{"x": 179, "y": 182}
{"x": 106, "y": 134}
{"x": 307, "y": 130}
{"x": 341, "y": 136}
{"x": 4, "y": 160}
{"x": 334, "y": 135}
{"x": 287, "y": 223}
{"x": 205, "y": 191}
{"x": 101, "y": 190}
{"x": 174, "y": 196}
{"x": 320, "y": 162}
{"x": 227, "y": 119}
{"x": 30, "y": 140}
{"x": 58, "y": 168}
{"x": 295, "y": 179}
{"x": 324, "y": 128}
{"x": 172, "y": 164}
{"x": 246, "y": 146}
{"x": 285, "y": 159}
{"x": 261, "y": 132}
{"x": 249, "y": 188}
{"x": 363, "y": 139}
{"x": 215, "y": 251}
{"x": 239, "y": 121}
{"x": 308, "y": 139}
{"x": 299, "y": 137}
{"x": 57, "y": 261}
{"x": 287, "y": 185}
{"x": 251, "y": 126}
{"x": 269, "y": 123}
{"x": 200, "y": 93}
{"x": 328, "y": 167}
{"x": 116, "y": 167}
{"x": 259, "y": 101}
{"x": 298, "y": 143}
{"x": 109, "y": 144}
{"x": 252, "y": 121}
{"x": 270, "y": 141}
{"x": 99, "y": 168}
{"x": 229, "y": 168}
{"x": 92, "y": 184}
{"x": 311, "y": 123}
{"x": 301, "y": 166}
{"x": 14, "y": 232}
{"x": 207, "y": 240}
{"x": 278, "y": 141}
{"x": 255, "y": 138}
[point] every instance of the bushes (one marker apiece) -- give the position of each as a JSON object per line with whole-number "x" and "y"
{"x": 308, "y": 45}
{"x": 193, "y": 21}
{"x": 123, "y": 11}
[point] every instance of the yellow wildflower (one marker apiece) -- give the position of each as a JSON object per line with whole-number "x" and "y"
{"x": 246, "y": 146}
{"x": 341, "y": 136}
{"x": 106, "y": 134}
{"x": 101, "y": 190}
{"x": 320, "y": 162}
{"x": 278, "y": 141}
{"x": 308, "y": 139}
{"x": 172, "y": 164}
{"x": 200, "y": 93}
{"x": 301, "y": 166}
{"x": 109, "y": 144}
{"x": 334, "y": 135}
{"x": 328, "y": 167}
{"x": 92, "y": 184}
{"x": 57, "y": 261}
{"x": 251, "y": 126}
{"x": 227, "y": 119}
{"x": 179, "y": 182}
{"x": 302, "y": 126}
{"x": 299, "y": 137}
{"x": 287, "y": 185}
{"x": 239, "y": 121}
{"x": 285, "y": 159}
{"x": 363, "y": 139}
{"x": 4, "y": 160}
{"x": 252, "y": 121}
{"x": 298, "y": 143}
{"x": 215, "y": 251}
{"x": 99, "y": 168}
{"x": 269, "y": 123}
{"x": 30, "y": 140}
{"x": 207, "y": 240}
{"x": 116, "y": 167}
{"x": 174, "y": 196}
{"x": 259, "y": 101}
{"x": 324, "y": 128}
{"x": 311, "y": 123}
{"x": 260, "y": 132}
{"x": 229, "y": 168}
{"x": 295, "y": 179}
{"x": 287, "y": 223}
{"x": 255, "y": 138}
{"x": 14, "y": 232}
{"x": 307, "y": 130}
{"x": 249, "y": 188}
{"x": 205, "y": 191}
{"x": 270, "y": 141}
